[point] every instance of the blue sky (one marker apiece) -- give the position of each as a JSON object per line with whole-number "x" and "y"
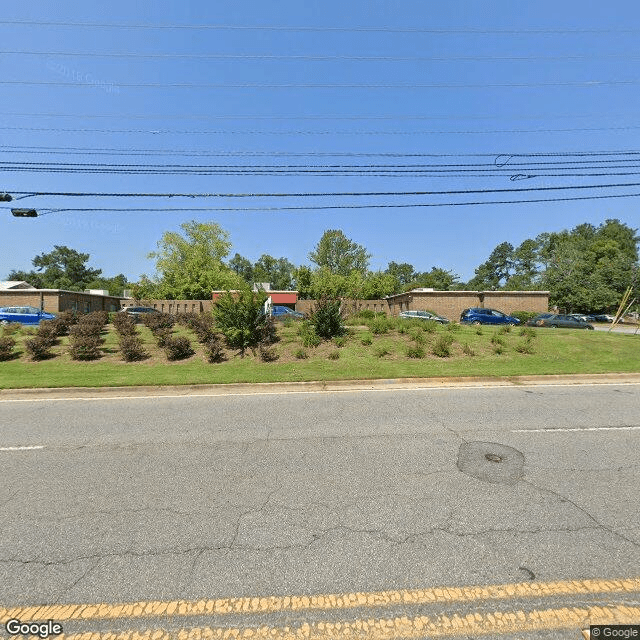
{"x": 451, "y": 79}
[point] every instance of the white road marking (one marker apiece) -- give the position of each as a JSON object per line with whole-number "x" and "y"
{"x": 230, "y": 393}
{"x": 41, "y": 446}
{"x": 552, "y": 430}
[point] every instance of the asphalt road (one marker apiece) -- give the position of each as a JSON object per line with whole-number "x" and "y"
{"x": 279, "y": 498}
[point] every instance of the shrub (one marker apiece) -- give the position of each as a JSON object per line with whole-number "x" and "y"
{"x": 333, "y": 355}
{"x": 267, "y": 354}
{"x": 453, "y": 327}
{"x": 68, "y": 317}
{"x": 442, "y": 346}
{"x": 82, "y": 330}
{"x": 301, "y": 354}
{"x": 527, "y": 332}
{"x": 365, "y": 314}
{"x": 288, "y": 322}
{"x": 497, "y": 340}
{"x": 178, "y": 348}
{"x": 415, "y": 352}
{"x": 524, "y": 347}
{"x": 241, "y": 319}
{"x": 158, "y": 321}
{"x": 467, "y": 350}
{"x": 430, "y": 326}
{"x": 6, "y": 348}
{"x": 417, "y": 335}
{"x": 47, "y": 330}
{"x": 479, "y": 331}
{"x": 38, "y": 348}
{"x": 381, "y": 351}
{"x": 340, "y": 341}
{"x": 498, "y": 349}
{"x": 132, "y": 347}
{"x": 10, "y": 328}
{"x": 327, "y": 319}
{"x": 162, "y": 336}
{"x": 85, "y": 347}
{"x": 366, "y": 339}
{"x": 504, "y": 329}
{"x": 379, "y": 325}
{"x": 124, "y": 324}
{"x": 213, "y": 349}
{"x": 308, "y": 334}
{"x": 523, "y": 316}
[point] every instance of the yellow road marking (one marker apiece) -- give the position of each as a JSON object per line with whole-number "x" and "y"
{"x": 404, "y": 628}
{"x": 271, "y": 604}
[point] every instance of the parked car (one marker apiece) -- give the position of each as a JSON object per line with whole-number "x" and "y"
{"x": 480, "y": 315}
{"x": 422, "y": 315}
{"x": 583, "y": 316}
{"x": 280, "y": 312}
{"x": 24, "y": 315}
{"x": 138, "y": 312}
{"x": 557, "y": 320}
{"x": 604, "y": 317}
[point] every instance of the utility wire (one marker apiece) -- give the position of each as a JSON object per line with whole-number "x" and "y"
{"x": 363, "y": 29}
{"x": 500, "y": 157}
{"x": 323, "y": 85}
{"x": 325, "y": 194}
{"x": 333, "y": 132}
{"x": 330, "y": 207}
{"x": 207, "y": 116}
{"x": 323, "y": 58}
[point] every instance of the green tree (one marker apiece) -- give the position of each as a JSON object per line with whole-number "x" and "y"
{"x": 438, "y": 279}
{"x": 241, "y": 319}
{"x": 243, "y": 267}
{"x": 493, "y": 273}
{"x": 277, "y": 271}
{"x": 404, "y": 274}
{"x": 115, "y": 285}
{"x": 62, "y": 268}
{"x": 190, "y": 264}
{"x": 339, "y": 254}
{"x": 589, "y": 268}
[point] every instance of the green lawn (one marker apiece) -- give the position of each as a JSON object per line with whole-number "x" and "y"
{"x": 552, "y": 352}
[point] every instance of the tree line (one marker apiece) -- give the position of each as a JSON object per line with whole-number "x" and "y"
{"x": 586, "y": 268}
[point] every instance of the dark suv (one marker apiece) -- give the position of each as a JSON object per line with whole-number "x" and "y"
{"x": 480, "y": 315}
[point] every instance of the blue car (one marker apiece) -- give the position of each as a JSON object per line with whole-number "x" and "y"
{"x": 23, "y": 315}
{"x": 280, "y": 312}
{"x": 480, "y": 315}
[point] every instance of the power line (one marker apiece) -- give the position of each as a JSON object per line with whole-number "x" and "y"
{"x": 322, "y": 58}
{"x": 303, "y": 28}
{"x": 326, "y": 194}
{"x": 504, "y": 156}
{"x": 333, "y": 132}
{"x": 207, "y": 116}
{"x": 330, "y": 207}
{"x": 323, "y": 85}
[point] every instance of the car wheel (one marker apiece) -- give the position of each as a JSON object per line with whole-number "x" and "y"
{"x": 476, "y": 322}
{"x": 512, "y": 324}
{"x": 553, "y": 326}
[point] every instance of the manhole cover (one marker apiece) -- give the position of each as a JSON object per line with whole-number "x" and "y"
{"x": 491, "y": 462}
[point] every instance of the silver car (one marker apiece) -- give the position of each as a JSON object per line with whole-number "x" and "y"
{"x": 422, "y": 315}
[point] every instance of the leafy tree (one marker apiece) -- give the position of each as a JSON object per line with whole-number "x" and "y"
{"x": 496, "y": 270}
{"x": 190, "y": 265}
{"x": 241, "y": 319}
{"x": 277, "y": 271}
{"x": 243, "y": 267}
{"x": 438, "y": 279}
{"x": 404, "y": 273}
{"x": 115, "y": 285}
{"x": 62, "y": 268}
{"x": 589, "y": 268}
{"x": 326, "y": 319}
{"x": 339, "y": 254}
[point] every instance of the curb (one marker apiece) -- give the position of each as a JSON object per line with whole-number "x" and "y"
{"x": 317, "y": 386}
